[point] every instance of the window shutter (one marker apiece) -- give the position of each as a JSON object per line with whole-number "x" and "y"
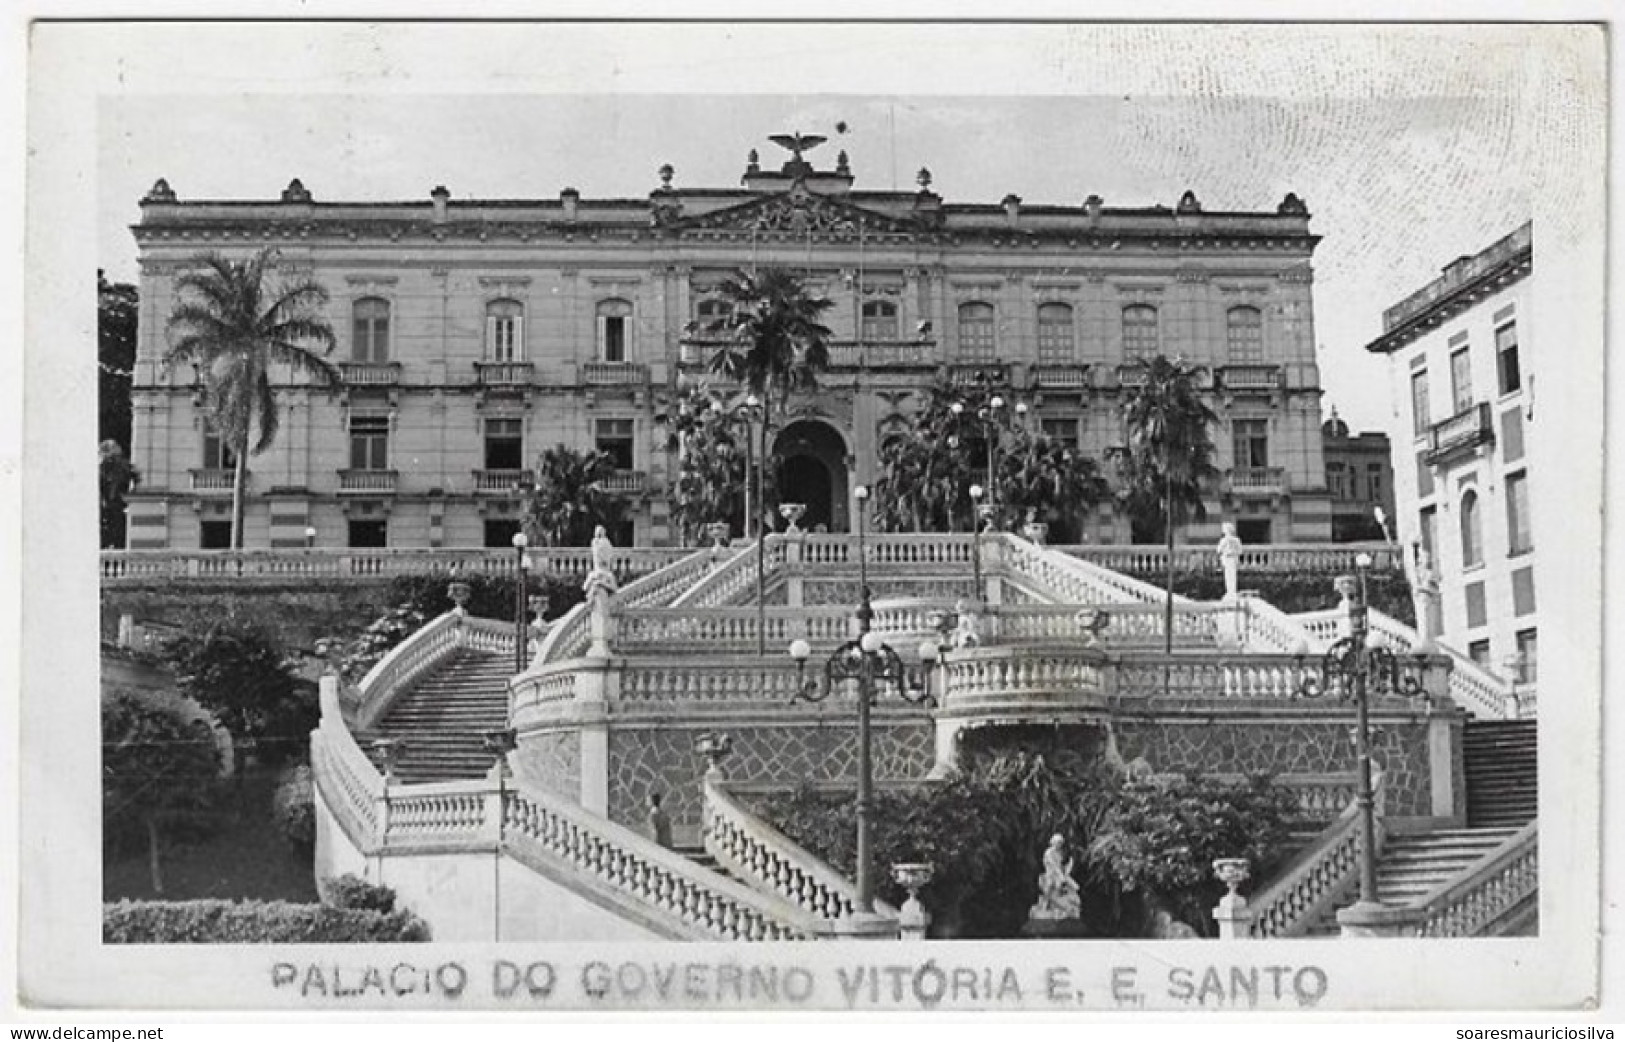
{"x": 518, "y": 346}
{"x": 491, "y": 338}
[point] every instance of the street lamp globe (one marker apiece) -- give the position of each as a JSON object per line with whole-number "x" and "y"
{"x": 997, "y": 401}
{"x": 1362, "y": 561}
{"x": 928, "y": 651}
{"x": 1021, "y": 408}
{"x": 957, "y": 408}
{"x": 800, "y": 649}
{"x": 860, "y": 493}
{"x": 520, "y": 540}
{"x": 870, "y": 642}
{"x": 752, "y": 401}
{"x": 976, "y": 492}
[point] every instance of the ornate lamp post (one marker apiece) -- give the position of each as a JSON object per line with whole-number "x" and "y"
{"x": 310, "y": 537}
{"x": 976, "y": 493}
{"x": 521, "y": 600}
{"x": 754, "y": 416}
{"x": 872, "y": 664}
{"x": 1354, "y": 669}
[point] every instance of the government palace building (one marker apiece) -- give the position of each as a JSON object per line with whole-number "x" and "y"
{"x": 474, "y": 334}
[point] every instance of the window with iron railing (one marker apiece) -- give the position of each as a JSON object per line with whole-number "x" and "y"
{"x": 1250, "y": 442}
{"x": 504, "y": 444}
{"x": 614, "y": 328}
{"x": 504, "y": 331}
{"x": 216, "y": 454}
{"x": 879, "y": 320}
{"x": 369, "y": 443}
{"x": 614, "y": 437}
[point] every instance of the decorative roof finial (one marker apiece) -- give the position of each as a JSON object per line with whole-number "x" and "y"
{"x": 923, "y": 179}
{"x": 753, "y": 163}
{"x": 295, "y": 192}
{"x": 161, "y": 193}
{"x": 1292, "y": 205}
{"x": 797, "y": 143}
{"x": 666, "y": 172}
{"x": 1188, "y": 203}
{"x": 841, "y": 165}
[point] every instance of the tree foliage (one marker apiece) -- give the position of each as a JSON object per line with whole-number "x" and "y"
{"x": 239, "y": 672}
{"x": 572, "y": 497}
{"x": 709, "y": 436}
{"x": 117, "y": 477}
{"x": 926, "y": 472}
{"x": 160, "y": 773}
{"x": 234, "y": 322}
{"x": 1168, "y": 460}
{"x": 773, "y": 340}
{"x": 117, "y": 306}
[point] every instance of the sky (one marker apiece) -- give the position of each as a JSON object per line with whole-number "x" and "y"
{"x": 1410, "y": 145}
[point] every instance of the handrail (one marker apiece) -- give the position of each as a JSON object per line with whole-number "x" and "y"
{"x": 751, "y": 848}
{"x": 705, "y": 903}
{"x": 1148, "y": 561}
{"x": 298, "y": 564}
{"x": 1314, "y": 881}
{"x": 1471, "y": 686}
{"x": 356, "y": 783}
{"x": 1072, "y": 580}
{"x": 1268, "y": 628}
{"x": 1498, "y": 882}
{"x": 404, "y": 663}
{"x": 718, "y": 585}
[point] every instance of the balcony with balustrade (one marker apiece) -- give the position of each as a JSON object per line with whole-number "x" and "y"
{"x": 508, "y": 376}
{"x": 614, "y": 374}
{"x": 1461, "y": 434}
{"x": 626, "y": 482}
{"x": 1252, "y": 379}
{"x": 1256, "y": 482}
{"x": 370, "y": 374}
{"x": 503, "y": 481}
{"x": 882, "y": 354}
{"x": 214, "y": 481}
{"x": 1070, "y": 376}
{"x": 367, "y": 482}
{"x": 967, "y": 374}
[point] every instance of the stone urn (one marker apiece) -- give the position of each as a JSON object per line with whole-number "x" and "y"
{"x": 913, "y": 919}
{"x": 715, "y": 747}
{"x": 717, "y": 532}
{"x": 459, "y": 593}
{"x": 1232, "y": 872}
{"x": 792, "y": 514}
{"x": 1035, "y": 531}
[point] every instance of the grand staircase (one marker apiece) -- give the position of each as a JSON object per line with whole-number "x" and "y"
{"x": 1500, "y": 761}
{"x": 1412, "y": 866}
{"x": 441, "y": 721}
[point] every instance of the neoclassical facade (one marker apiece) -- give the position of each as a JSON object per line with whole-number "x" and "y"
{"x": 473, "y": 334}
{"x": 1461, "y": 358}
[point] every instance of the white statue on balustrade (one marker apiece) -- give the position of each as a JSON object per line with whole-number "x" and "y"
{"x": 602, "y": 576}
{"x": 967, "y": 627}
{"x": 1424, "y": 580}
{"x": 1229, "y": 550}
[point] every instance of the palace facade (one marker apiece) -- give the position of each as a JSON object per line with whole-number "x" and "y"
{"x": 474, "y": 334}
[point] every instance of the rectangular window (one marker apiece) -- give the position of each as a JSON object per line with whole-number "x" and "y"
{"x": 614, "y": 338}
{"x": 615, "y": 438}
{"x": 1429, "y": 521}
{"x": 1253, "y": 529}
{"x": 976, "y": 337}
{"x": 1523, "y": 591}
{"x": 1244, "y": 335}
{"x": 499, "y": 532}
{"x": 369, "y": 444}
{"x": 216, "y": 456}
{"x": 214, "y": 535}
{"x": 1479, "y": 652}
{"x": 1519, "y": 540}
{"x": 1424, "y": 476}
{"x": 1054, "y": 334}
{"x": 1063, "y": 429}
{"x": 1475, "y": 604}
{"x": 1506, "y": 358}
{"x": 1251, "y": 442}
{"x": 368, "y": 533}
{"x": 504, "y": 445}
{"x": 1461, "y": 379}
{"x": 1421, "y": 407}
{"x": 1139, "y": 332}
{"x": 369, "y": 341}
{"x": 879, "y": 320}
{"x": 1373, "y": 482}
{"x": 1528, "y": 657}
{"x": 1512, "y": 435}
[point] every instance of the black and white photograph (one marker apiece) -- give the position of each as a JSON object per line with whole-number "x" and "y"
{"x": 813, "y": 516}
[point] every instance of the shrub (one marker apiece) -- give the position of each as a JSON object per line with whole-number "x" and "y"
{"x": 238, "y": 670}
{"x": 254, "y": 922}
{"x": 356, "y": 894}
{"x": 293, "y": 807}
{"x": 381, "y": 635}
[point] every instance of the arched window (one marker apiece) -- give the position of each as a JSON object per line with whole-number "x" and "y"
{"x": 1472, "y": 536}
{"x": 976, "y": 338}
{"x": 505, "y": 331}
{"x": 1244, "y": 328}
{"x": 614, "y": 329}
{"x": 879, "y": 320}
{"x": 1055, "y": 334}
{"x": 370, "y": 324}
{"x": 1139, "y": 331}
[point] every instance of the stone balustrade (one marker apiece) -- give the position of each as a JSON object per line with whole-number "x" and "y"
{"x": 1470, "y": 905}
{"x": 1151, "y": 562}
{"x": 371, "y": 374}
{"x": 1318, "y": 878}
{"x": 1210, "y": 676}
{"x": 135, "y": 567}
{"x": 753, "y": 850}
{"x": 216, "y": 479}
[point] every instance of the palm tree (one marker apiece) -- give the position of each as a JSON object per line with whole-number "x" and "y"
{"x": 1169, "y": 457}
{"x": 570, "y": 498}
{"x": 232, "y": 324}
{"x": 775, "y": 343}
{"x": 1044, "y": 479}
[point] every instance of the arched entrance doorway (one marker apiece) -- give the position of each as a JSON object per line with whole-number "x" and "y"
{"x": 812, "y": 470}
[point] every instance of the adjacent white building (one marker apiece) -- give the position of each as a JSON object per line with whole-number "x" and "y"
{"x": 1461, "y": 353}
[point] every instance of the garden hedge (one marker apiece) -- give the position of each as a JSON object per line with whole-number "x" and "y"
{"x": 254, "y": 922}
